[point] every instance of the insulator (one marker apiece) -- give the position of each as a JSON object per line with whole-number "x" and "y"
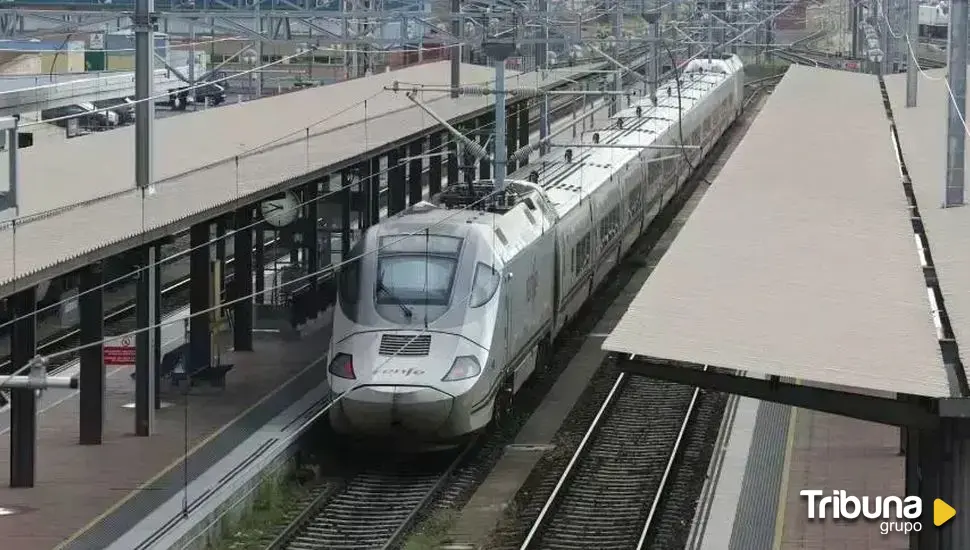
{"x": 475, "y": 90}
{"x": 639, "y": 111}
{"x": 534, "y": 177}
{"x": 523, "y": 153}
{"x": 619, "y": 123}
{"x": 525, "y": 92}
{"x": 596, "y": 136}
{"x": 474, "y": 148}
{"x": 569, "y": 155}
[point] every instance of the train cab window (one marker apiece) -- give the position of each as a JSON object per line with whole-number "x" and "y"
{"x": 416, "y": 269}
{"x": 484, "y": 285}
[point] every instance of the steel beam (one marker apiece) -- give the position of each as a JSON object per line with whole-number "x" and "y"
{"x": 863, "y": 407}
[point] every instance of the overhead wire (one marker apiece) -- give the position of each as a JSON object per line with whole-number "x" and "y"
{"x": 323, "y": 271}
{"x": 174, "y": 256}
{"x": 914, "y": 59}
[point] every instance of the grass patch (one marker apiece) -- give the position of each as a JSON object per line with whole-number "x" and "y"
{"x": 432, "y": 532}
{"x": 276, "y": 495}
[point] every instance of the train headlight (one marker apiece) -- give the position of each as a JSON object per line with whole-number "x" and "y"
{"x": 342, "y": 366}
{"x": 465, "y": 367}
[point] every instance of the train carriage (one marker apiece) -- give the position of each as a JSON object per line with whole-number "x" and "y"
{"x": 453, "y": 304}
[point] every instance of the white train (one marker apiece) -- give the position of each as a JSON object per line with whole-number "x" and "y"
{"x": 451, "y": 306}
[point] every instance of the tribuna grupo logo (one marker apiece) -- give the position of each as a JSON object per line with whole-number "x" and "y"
{"x": 894, "y": 514}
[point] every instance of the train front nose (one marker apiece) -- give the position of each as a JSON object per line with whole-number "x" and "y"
{"x": 394, "y": 410}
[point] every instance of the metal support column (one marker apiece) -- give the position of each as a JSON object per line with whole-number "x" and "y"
{"x": 912, "y": 37}
{"x": 484, "y": 166}
{"x": 415, "y": 172}
{"x": 396, "y": 181}
{"x": 259, "y": 259}
{"x": 928, "y": 455}
{"x": 434, "y": 163}
{"x": 242, "y": 280}
{"x": 144, "y": 342}
{"x": 144, "y": 26}
{"x": 92, "y": 377}
{"x": 200, "y": 286}
{"x": 156, "y": 339}
{"x": 221, "y": 224}
{"x": 467, "y": 160}
{"x": 544, "y": 123}
{"x": 364, "y": 193}
{"x": 345, "y": 210}
{"x": 523, "y": 129}
{"x": 511, "y": 126}
{"x": 452, "y": 161}
{"x": 957, "y": 107}
{"x": 954, "y": 489}
{"x": 311, "y": 238}
{"x": 374, "y": 183}
{"x": 456, "y": 31}
{"x": 23, "y": 403}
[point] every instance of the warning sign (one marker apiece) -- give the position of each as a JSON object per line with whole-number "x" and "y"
{"x": 120, "y": 355}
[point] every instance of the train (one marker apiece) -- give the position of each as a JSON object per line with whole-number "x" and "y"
{"x": 445, "y": 310}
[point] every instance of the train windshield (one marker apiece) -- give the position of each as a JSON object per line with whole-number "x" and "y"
{"x": 416, "y": 269}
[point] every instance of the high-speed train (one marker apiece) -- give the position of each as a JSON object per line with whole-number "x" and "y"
{"x": 452, "y": 304}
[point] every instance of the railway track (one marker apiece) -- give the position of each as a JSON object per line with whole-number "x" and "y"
{"x": 632, "y": 458}
{"x": 614, "y": 484}
{"x": 373, "y": 508}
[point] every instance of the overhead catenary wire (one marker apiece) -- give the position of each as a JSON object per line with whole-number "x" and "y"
{"x": 323, "y": 271}
{"x": 138, "y": 270}
{"x": 915, "y": 59}
{"x": 172, "y": 257}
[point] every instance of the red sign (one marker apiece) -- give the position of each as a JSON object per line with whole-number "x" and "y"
{"x": 120, "y": 355}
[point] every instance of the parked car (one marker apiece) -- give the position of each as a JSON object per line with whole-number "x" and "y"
{"x": 124, "y": 107}
{"x": 179, "y": 98}
{"x": 85, "y": 113}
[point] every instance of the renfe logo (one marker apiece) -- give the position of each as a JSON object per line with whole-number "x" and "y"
{"x": 839, "y": 505}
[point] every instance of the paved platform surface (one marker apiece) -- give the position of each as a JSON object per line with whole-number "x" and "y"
{"x": 833, "y": 452}
{"x": 82, "y": 488}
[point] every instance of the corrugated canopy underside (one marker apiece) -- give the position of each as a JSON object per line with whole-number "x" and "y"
{"x": 800, "y": 261}
{"x": 922, "y": 136}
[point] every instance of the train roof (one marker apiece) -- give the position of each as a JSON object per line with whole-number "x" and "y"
{"x": 567, "y": 183}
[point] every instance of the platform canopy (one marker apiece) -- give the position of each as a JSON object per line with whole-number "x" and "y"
{"x": 800, "y": 261}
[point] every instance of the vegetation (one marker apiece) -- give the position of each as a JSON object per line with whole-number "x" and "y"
{"x": 275, "y": 495}
{"x": 432, "y": 532}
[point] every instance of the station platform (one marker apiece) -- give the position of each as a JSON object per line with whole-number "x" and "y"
{"x": 821, "y": 291}
{"x": 215, "y": 161}
{"x": 86, "y": 496}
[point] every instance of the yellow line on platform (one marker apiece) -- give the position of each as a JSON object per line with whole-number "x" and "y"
{"x": 114, "y": 508}
{"x": 783, "y": 491}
